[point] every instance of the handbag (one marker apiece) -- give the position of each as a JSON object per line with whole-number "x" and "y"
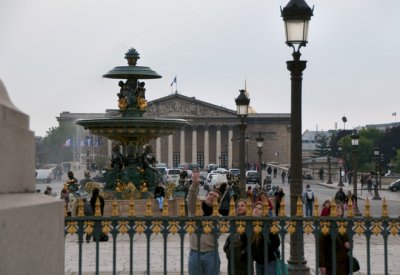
{"x": 281, "y": 266}
{"x": 356, "y": 265}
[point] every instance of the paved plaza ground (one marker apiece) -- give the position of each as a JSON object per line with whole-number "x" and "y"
{"x": 174, "y": 250}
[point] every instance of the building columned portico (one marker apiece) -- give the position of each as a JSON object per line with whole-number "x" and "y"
{"x": 212, "y": 135}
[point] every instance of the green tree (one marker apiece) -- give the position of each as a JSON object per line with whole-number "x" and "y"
{"x": 322, "y": 144}
{"x": 51, "y": 148}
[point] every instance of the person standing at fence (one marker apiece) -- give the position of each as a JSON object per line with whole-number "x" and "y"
{"x": 239, "y": 243}
{"x": 93, "y": 200}
{"x": 257, "y": 246}
{"x": 326, "y": 208}
{"x": 225, "y": 200}
{"x": 308, "y": 200}
{"x": 159, "y": 195}
{"x": 340, "y": 196}
{"x": 263, "y": 198}
{"x": 342, "y": 248}
{"x": 203, "y": 256}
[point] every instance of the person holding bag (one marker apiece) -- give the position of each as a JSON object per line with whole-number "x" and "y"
{"x": 257, "y": 247}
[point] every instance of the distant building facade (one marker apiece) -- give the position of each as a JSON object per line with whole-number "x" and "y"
{"x": 212, "y": 134}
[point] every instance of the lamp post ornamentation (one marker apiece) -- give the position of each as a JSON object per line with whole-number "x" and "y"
{"x": 260, "y": 144}
{"x": 242, "y": 104}
{"x": 354, "y": 142}
{"x": 296, "y": 16}
{"x": 376, "y": 191}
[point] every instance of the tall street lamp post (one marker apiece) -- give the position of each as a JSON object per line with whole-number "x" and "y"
{"x": 376, "y": 192}
{"x": 329, "y": 158}
{"x": 340, "y": 165}
{"x": 354, "y": 142}
{"x": 247, "y": 150}
{"x": 242, "y": 105}
{"x": 296, "y": 16}
{"x": 260, "y": 144}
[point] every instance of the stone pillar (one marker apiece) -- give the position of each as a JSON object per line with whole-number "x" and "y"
{"x": 170, "y": 150}
{"x": 158, "y": 149}
{"x": 218, "y": 145}
{"x": 194, "y": 145}
{"x": 182, "y": 148}
{"x": 206, "y": 148}
{"x": 230, "y": 136}
{"x": 32, "y": 225}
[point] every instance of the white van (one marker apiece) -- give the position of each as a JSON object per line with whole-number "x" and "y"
{"x": 44, "y": 175}
{"x": 171, "y": 175}
{"x": 215, "y": 181}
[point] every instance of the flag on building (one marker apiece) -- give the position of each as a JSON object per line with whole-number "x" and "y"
{"x": 67, "y": 143}
{"x": 173, "y": 81}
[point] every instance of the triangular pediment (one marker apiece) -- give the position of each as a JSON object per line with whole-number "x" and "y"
{"x": 183, "y": 106}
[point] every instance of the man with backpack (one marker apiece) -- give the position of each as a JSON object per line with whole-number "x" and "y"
{"x": 308, "y": 200}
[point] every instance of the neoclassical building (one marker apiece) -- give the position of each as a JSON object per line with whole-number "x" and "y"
{"x": 212, "y": 133}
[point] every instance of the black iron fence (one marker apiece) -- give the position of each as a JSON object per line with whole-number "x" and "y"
{"x": 149, "y": 244}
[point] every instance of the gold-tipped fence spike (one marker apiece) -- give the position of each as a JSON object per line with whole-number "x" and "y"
{"x": 385, "y": 210}
{"x": 165, "y": 210}
{"x": 265, "y": 209}
{"x": 198, "y": 208}
{"x": 248, "y": 207}
{"x": 81, "y": 212}
{"x": 65, "y": 209}
{"x": 149, "y": 208}
{"x": 367, "y": 208}
{"x": 282, "y": 211}
{"x": 316, "y": 207}
{"x": 97, "y": 211}
{"x": 181, "y": 210}
{"x": 299, "y": 207}
{"x": 232, "y": 207}
{"x": 114, "y": 208}
{"x": 215, "y": 208}
{"x": 333, "y": 208}
{"x": 350, "y": 212}
{"x": 131, "y": 211}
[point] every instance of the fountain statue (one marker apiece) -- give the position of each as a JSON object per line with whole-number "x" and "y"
{"x": 132, "y": 167}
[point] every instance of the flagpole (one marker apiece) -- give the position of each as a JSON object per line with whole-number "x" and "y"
{"x": 176, "y": 84}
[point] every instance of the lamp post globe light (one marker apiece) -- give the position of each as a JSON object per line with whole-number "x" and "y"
{"x": 354, "y": 142}
{"x": 376, "y": 192}
{"x": 260, "y": 144}
{"x": 296, "y": 16}
{"x": 329, "y": 159}
{"x": 340, "y": 165}
{"x": 242, "y": 105}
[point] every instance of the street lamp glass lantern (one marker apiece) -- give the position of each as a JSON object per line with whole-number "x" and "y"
{"x": 376, "y": 151}
{"x": 242, "y": 104}
{"x": 355, "y": 139}
{"x": 296, "y": 15}
{"x": 339, "y": 147}
{"x": 260, "y": 141}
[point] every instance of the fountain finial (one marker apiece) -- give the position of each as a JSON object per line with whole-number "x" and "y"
{"x": 132, "y": 56}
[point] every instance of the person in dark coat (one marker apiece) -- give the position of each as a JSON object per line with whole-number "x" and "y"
{"x": 93, "y": 200}
{"x": 239, "y": 243}
{"x": 225, "y": 200}
{"x": 257, "y": 246}
{"x": 342, "y": 248}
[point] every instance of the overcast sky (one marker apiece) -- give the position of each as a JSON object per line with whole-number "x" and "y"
{"x": 53, "y": 55}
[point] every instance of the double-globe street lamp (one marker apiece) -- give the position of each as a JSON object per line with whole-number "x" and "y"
{"x": 376, "y": 192}
{"x": 242, "y": 105}
{"x": 260, "y": 144}
{"x": 354, "y": 142}
{"x": 296, "y": 16}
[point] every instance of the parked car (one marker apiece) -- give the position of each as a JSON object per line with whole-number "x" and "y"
{"x": 214, "y": 181}
{"x": 211, "y": 167}
{"x": 44, "y": 175}
{"x": 235, "y": 172}
{"x": 193, "y": 166}
{"x": 252, "y": 177}
{"x": 394, "y": 186}
{"x": 100, "y": 177}
{"x": 171, "y": 175}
